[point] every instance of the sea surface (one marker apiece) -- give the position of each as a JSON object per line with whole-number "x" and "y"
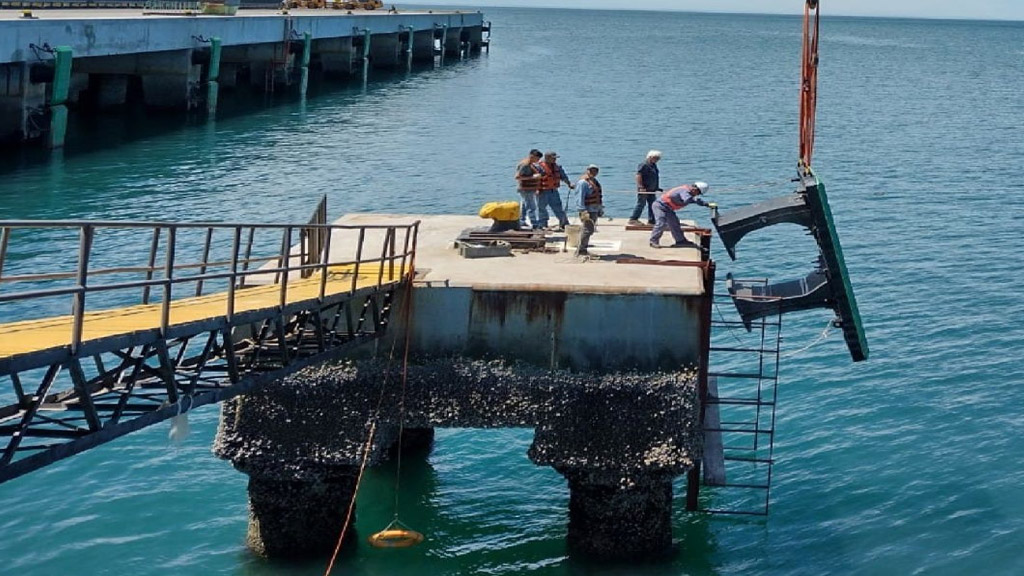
{"x": 909, "y": 463}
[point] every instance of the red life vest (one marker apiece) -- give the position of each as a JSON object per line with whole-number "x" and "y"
{"x": 532, "y": 184}
{"x": 552, "y": 176}
{"x": 595, "y": 198}
{"x": 668, "y": 198}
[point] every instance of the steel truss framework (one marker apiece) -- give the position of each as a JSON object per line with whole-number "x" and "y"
{"x": 129, "y": 388}
{"x": 316, "y": 301}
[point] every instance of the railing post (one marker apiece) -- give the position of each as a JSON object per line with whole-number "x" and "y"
{"x": 82, "y": 279}
{"x": 412, "y": 257}
{"x": 151, "y": 263}
{"x": 5, "y": 238}
{"x": 359, "y": 257}
{"x": 325, "y": 252}
{"x": 383, "y": 256}
{"x": 165, "y": 308}
{"x": 236, "y": 244}
{"x": 206, "y": 259}
{"x": 248, "y": 253}
{"x": 285, "y": 262}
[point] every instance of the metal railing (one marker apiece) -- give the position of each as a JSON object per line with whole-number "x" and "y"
{"x": 228, "y": 257}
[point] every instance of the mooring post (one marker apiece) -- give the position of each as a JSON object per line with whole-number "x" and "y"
{"x": 444, "y": 42}
{"x": 213, "y": 75}
{"x": 62, "y": 57}
{"x": 408, "y": 48}
{"x": 366, "y": 55}
{"x": 307, "y": 51}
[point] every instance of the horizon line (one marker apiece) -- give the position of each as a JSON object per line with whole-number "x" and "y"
{"x": 737, "y": 12}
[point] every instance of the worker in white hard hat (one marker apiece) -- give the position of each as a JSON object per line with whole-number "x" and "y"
{"x": 665, "y": 212}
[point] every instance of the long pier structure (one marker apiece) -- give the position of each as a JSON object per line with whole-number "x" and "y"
{"x": 181, "y": 59}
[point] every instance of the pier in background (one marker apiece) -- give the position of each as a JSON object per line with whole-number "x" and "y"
{"x": 178, "y": 58}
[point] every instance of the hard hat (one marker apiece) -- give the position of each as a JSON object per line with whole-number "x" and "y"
{"x": 701, "y": 186}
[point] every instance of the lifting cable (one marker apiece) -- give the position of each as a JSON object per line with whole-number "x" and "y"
{"x": 809, "y": 82}
{"x": 388, "y": 535}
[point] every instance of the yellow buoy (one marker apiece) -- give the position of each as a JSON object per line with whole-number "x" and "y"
{"x": 395, "y": 535}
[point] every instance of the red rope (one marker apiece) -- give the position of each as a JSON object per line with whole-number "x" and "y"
{"x": 809, "y": 81}
{"x": 373, "y": 422}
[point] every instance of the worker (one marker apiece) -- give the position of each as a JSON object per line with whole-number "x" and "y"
{"x": 591, "y": 206}
{"x": 528, "y": 180}
{"x": 665, "y": 212}
{"x": 647, "y": 185}
{"x": 548, "y": 194}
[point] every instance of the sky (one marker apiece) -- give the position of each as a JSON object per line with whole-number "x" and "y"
{"x": 957, "y": 9}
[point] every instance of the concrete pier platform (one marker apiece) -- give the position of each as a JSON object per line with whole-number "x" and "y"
{"x": 605, "y": 358}
{"x": 626, "y": 307}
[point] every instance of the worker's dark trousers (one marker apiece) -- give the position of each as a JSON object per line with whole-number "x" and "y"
{"x": 665, "y": 217}
{"x": 641, "y": 200}
{"x": 587, "y": 220}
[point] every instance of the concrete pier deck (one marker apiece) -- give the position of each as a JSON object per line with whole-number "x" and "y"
{"x": 553, "y": 270}
{"x": 626, "y": 307}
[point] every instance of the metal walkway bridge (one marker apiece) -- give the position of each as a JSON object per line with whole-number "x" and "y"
{"x": 151, "y": 319}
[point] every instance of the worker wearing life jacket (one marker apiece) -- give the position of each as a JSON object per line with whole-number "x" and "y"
{"x": 665, "y": 212}
{"x": 548, "y": 195}
{"x": 591, "y": 206}
{"x": 528, "y": 180}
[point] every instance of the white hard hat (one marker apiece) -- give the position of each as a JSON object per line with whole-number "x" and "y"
{"x": 702, "y": 186}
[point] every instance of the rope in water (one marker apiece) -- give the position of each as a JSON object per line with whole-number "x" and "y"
{"x": 369, "y": 444}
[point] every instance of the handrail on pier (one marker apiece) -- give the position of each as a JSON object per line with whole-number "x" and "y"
{"x": 147, "y": 320}
{"x": 223, "y": 258}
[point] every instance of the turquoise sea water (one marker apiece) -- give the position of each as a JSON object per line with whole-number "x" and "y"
{"x": 910, "y": 463}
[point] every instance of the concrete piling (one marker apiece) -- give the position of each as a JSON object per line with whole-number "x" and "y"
{"x": 618, "y": 439}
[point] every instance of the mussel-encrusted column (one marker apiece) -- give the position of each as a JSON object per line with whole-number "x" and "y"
{"x": 301, "y": 442}
{"x": 619, "y": 442}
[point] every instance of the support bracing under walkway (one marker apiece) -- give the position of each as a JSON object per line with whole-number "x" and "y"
{"x": 165, "y": 317}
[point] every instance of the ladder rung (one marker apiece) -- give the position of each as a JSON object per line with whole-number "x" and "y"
{"x": 734, "y": 512}
{"x": 749, "y": 486}
{"x": 750, "y": 375}
{"x": 729, "y": 349}
{"x": 741, "y": 401}
{"x": 753, "y": 460}
{"x": 739, "y": 431}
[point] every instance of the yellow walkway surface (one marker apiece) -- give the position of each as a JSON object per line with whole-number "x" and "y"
{"x": 35, "y": 335}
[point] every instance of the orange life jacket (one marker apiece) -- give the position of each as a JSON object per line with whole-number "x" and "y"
{"x": 532, "y": 184}
{"x": 552, "y": 178}
{"x": 595, "y": 198}
{"x": 669, "y": 198}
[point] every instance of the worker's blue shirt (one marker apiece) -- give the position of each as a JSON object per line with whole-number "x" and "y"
{"x": 585, "y": 190}
{"x": 680, "y": 196}
{"x": 648, "y": 172}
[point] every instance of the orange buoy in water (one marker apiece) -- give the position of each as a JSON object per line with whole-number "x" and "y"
{"x": 395, "y": 535}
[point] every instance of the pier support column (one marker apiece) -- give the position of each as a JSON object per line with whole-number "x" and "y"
{"x": 614, "y": 517}
{"x": 475, "y": 38}
{"x": 170, "y": 79}
{"x": 21, "y": 103}
{"x": 337, "y": 56}
{"x": 386, "y": 51}
{"x": 108, "y": 90}
{"x": 423, "y": 46}
{"x": 301, "y": 444}
{"x": 619, "y": 443}
{"x": 292, "y": 519}
{"x": 452, "y": 45}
